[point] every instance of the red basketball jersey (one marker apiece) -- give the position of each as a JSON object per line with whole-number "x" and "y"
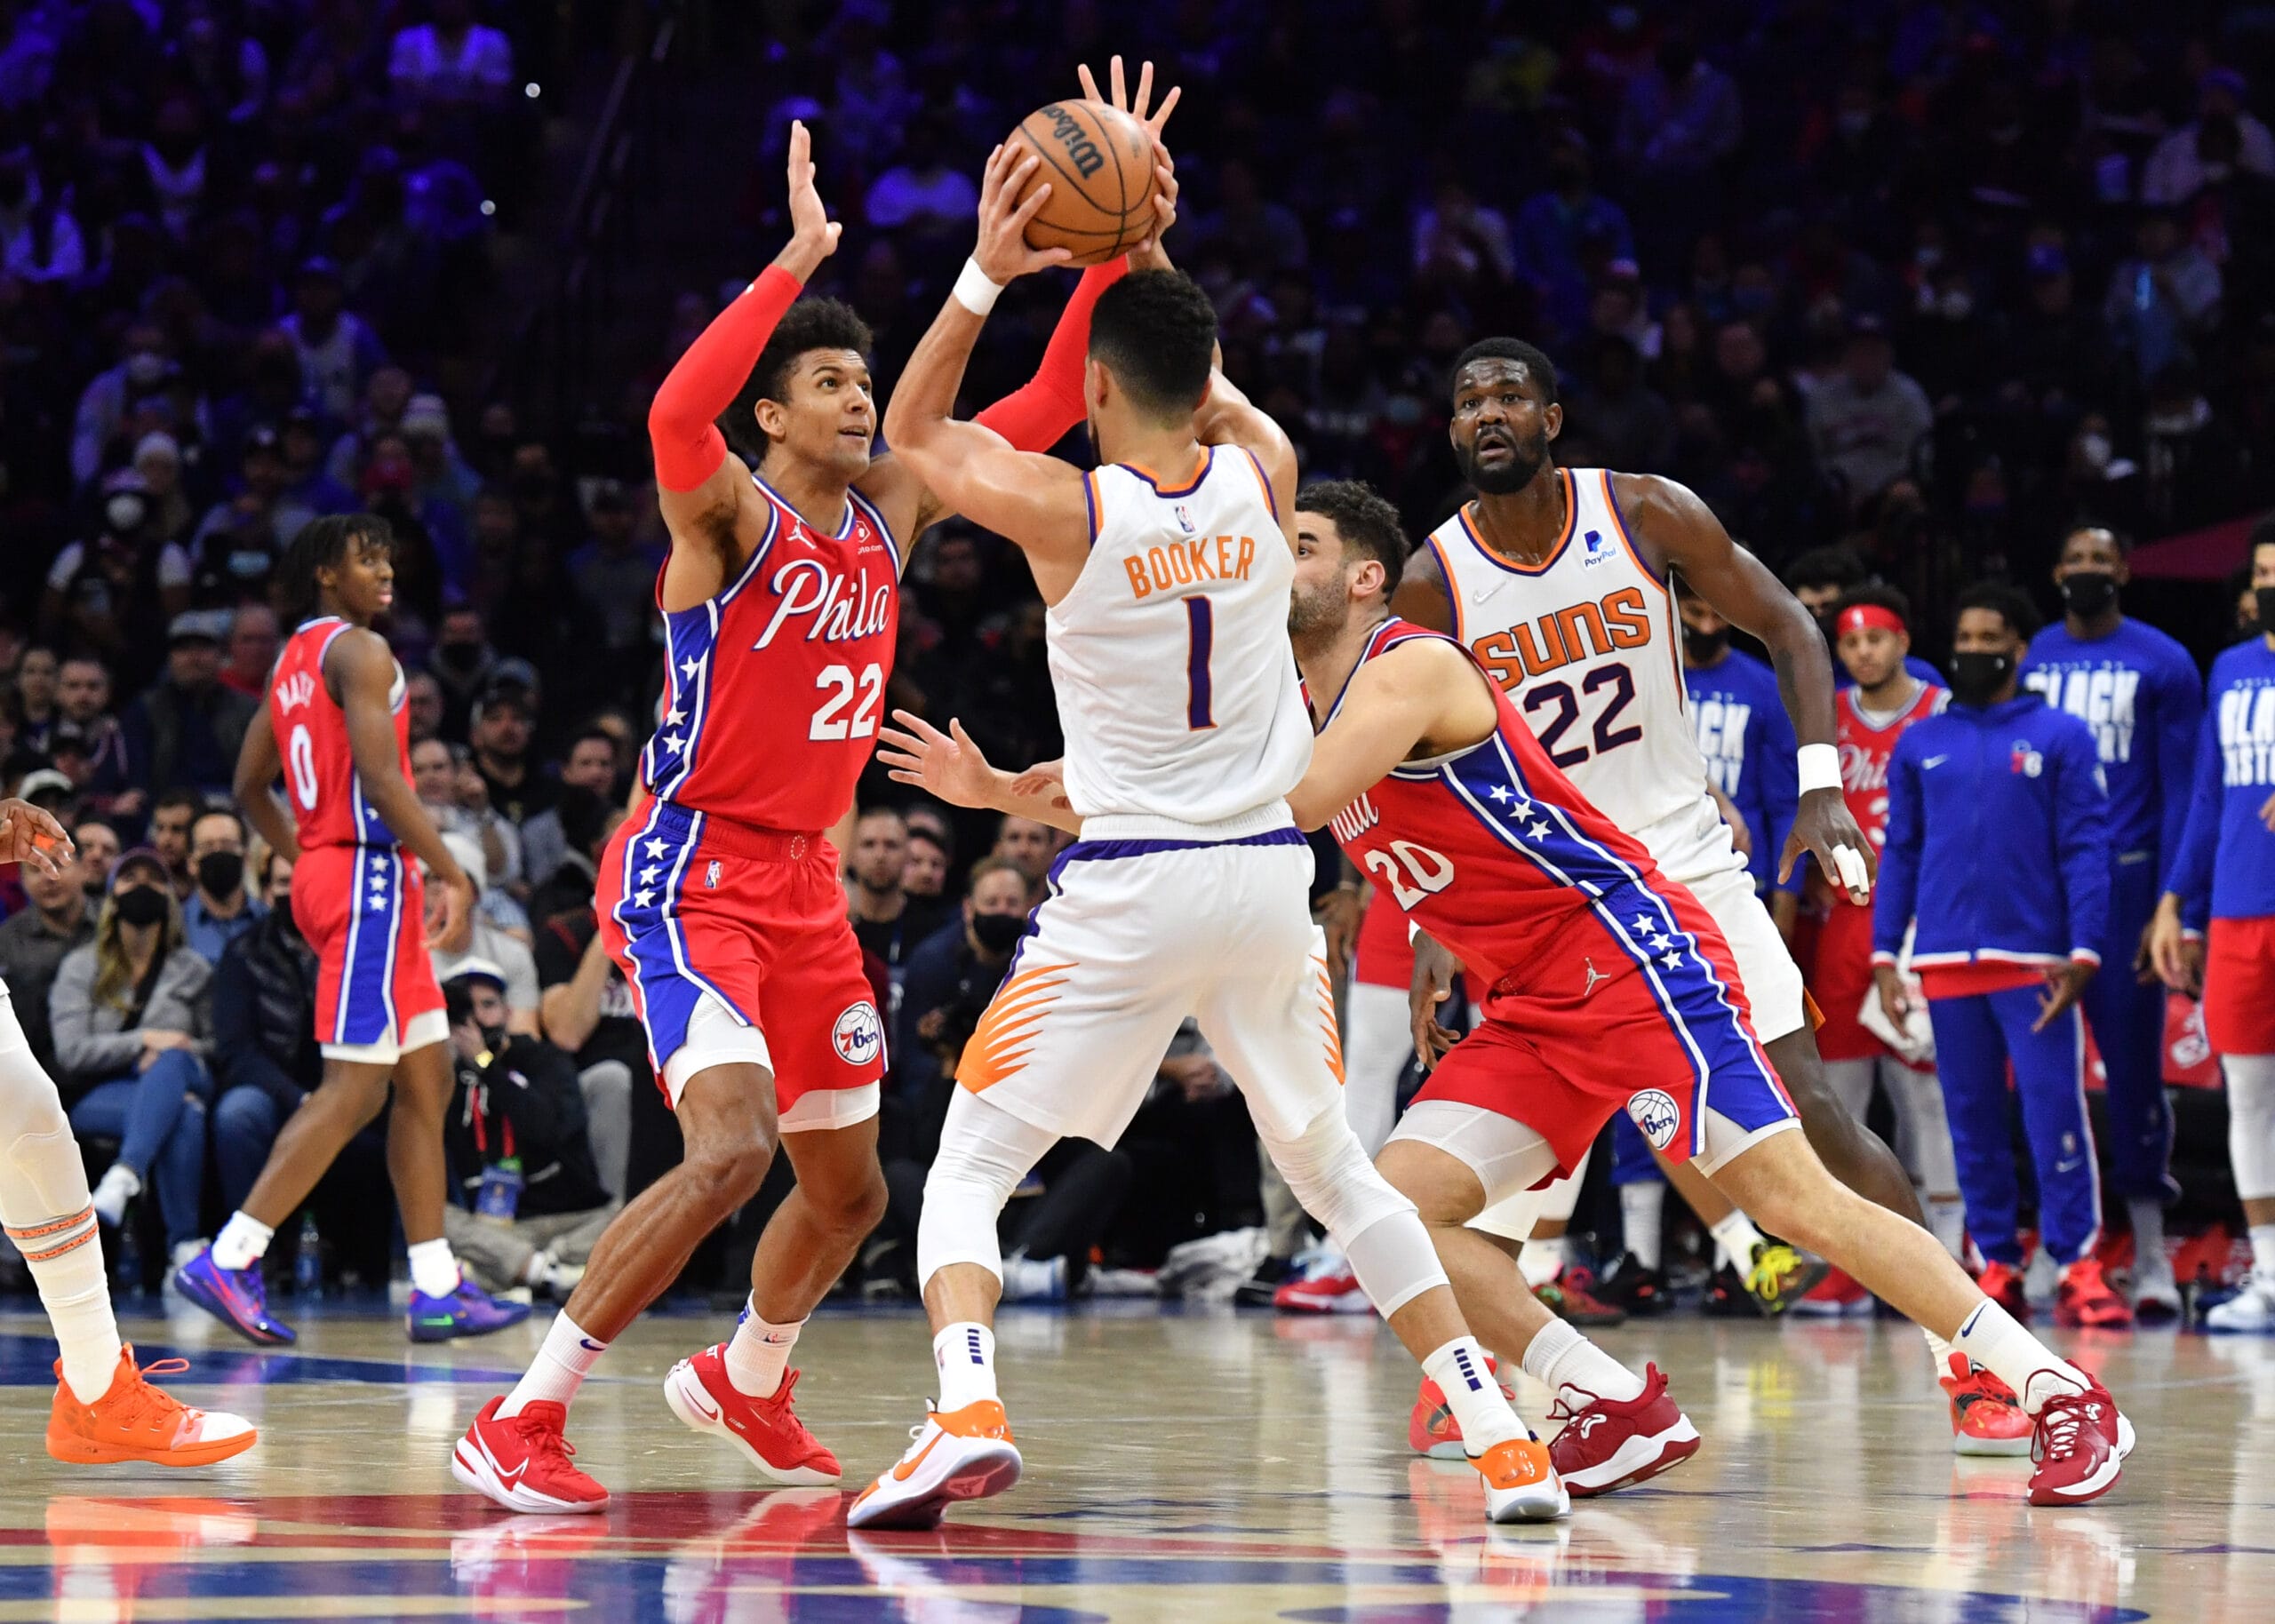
{"x": 1864, "y": 751}
{"x": 776, "y": 686}
{"x": 1491, "y": 850}
{"x": 328, "y": 804}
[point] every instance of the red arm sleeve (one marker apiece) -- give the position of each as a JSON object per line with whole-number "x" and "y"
{"x": 681, "y": 423}
{"x": 1036, "y": 414}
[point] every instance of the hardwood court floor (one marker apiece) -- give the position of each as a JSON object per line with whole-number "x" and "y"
{"x": 1195, "y": 1466}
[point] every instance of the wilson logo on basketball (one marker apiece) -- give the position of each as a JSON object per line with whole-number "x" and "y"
{"x": 1578, "y": 631}
{"x": 1081, "y": 150}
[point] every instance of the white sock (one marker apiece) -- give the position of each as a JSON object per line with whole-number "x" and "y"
{"x": 1947, "y": 1223}
{"x": 1993, "y": 1339}
{"x": 1641, "y": 1207}
{"x": 119, "y": 1184}
{"x": 1559, "y": 1356}
{"x": 559, "y": 1369}
{"x": 2263, "y": 1251}
{"x": 965, "y": 1353}
{"x": 242, "y": 1243}
{"x": 1473, "y": 1396}
{"x": 1938, "y": 1350}
{"x": 1738, "y": 1239}
{"x": 433, "y": 1269}
{"x": 1542, "y": 1260}
{"x": 2148, "y": 1215}
{"x": 758, "y": 1353}
{"x": 66, "y": 1258}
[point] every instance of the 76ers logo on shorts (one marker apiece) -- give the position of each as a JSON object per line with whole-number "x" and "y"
{"x": 859, "y": 1037}
{"x": 1656, "y": 1116}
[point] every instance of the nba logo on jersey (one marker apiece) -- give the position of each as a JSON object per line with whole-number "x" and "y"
{"x": 2025, "y": 760}
{"x": 1184, "y": 518}
{"x": 1600, "y": 551}
{"x": 711, "y": 876}
{"x": 1655, "y": 1116}
{"x": 858, "y": 1034}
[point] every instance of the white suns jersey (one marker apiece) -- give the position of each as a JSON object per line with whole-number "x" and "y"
{"x": 1589, "y": 646}
{"x": 1176, "y": 682}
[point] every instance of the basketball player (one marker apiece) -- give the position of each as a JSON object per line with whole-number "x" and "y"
{"x": 2223, "y": 877}
{"x": 1601, "y": 973}
{"x": 1556, "y": 580}
{"x": 1166, "y": 575}
{"x": 2138, "y": 690}
{"x": 105, "y": 1407}
{"x": 335, "y": 724}
{"x": 719, "y": 896}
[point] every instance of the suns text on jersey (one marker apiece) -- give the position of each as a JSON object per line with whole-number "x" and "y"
{"x": 1578, "y": 631}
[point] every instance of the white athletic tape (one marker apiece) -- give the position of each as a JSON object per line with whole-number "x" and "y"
{"x": 973, "y": 289}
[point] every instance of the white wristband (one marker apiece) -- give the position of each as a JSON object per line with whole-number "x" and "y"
{"x": 1819, "y": 767}
{"x": 974, "y": 291}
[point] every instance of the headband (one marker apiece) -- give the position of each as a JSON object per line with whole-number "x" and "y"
{"x": 1856, "y": 616}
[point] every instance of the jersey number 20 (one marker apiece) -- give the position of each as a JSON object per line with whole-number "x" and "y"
{"x": 1411, "y": 872}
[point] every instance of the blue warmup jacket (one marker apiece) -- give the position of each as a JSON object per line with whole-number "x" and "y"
{"x": 1750, "y": 754}
{"x": 2225, "y": 868}
{"x": 1998, "y": 838}
{"x": 2139, "y": 692}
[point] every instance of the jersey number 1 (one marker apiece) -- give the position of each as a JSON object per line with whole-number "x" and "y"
{"x": 1202, "y": 619}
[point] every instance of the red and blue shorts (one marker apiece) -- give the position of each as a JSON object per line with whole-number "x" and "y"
{"x": 2239, "y": 986}
{"x": 737, "y": 946}
{"x": 364, "y": 909}
{"x": 1634, "y": 1004}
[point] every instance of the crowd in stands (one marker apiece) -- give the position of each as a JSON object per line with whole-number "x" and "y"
{"x": 1928, "y": 281}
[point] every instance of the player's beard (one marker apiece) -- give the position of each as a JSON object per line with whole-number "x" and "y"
{"x": 1526, "y": 461}
{"x": 1319, "y": 613}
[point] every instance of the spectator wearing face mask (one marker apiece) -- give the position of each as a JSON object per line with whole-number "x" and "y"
{"x": 116, "y": 592}
{"x": 35, "y": 941}
{"x": 129, "y": 1015}
{"x": 589, "y": 764}
{"x": 219, "y": 909}
{"x": 954, "y": 972}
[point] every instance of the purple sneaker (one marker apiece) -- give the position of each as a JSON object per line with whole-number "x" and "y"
{"x": 236, "y": 1297}
{"x": 467, "y": 1311}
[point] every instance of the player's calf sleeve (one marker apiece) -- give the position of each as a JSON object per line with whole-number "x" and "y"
{"x": 1394, "y": 1260}
{"x": 985, "y": 1151}
{"x": 2251, "y": 1123}
{"x": 45, "y": 1205}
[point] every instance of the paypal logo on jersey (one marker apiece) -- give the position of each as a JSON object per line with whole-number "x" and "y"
{"x": 1599, "y": 549}
{"x": 2102, "y": 696}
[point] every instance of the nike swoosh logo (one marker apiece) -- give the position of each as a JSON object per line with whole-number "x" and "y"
{"x": 905, "y": 1470}
{"x": 704, "y": 1410}
{"x": 1933, "y": 762}
{"x": 509, "y": 1478}
{"x": 590, "y": 1345}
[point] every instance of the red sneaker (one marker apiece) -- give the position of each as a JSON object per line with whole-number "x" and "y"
{"x": 1609, "y": 1443}
{"x": 2079, "y": 1444}
{"x": 1433, "y": 1430}
{"x": 766, "y": 1430}
{"x": 1837, "y": 1296}
{"x": 2086, "y": 1301}
{"x": 1571, "y": 1297}
{"x": 2003, "y": 1285}
{"x": 1327, "y": 1294}
{"x": 1987, "y": 1418}
{"x": 521, "y": 1462}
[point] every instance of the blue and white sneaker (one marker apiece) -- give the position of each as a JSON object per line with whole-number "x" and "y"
{"x": 467, "y": 1311}
{"x": 2251, "y": 1310}
{"x": 236, "y": 1297}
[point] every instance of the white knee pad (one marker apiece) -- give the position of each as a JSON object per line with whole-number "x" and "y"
{"x": 2251, "y": 1123}
{"x": 1327, "y": 1168}
{"x": 985, "y": 1151}
{"x": 44, "y": 1178}
{"x": 1515, "y": 1217}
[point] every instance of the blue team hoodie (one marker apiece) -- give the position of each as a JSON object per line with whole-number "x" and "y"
{"x": 1998, "y": 838}
{"x": 2226, "y": 865}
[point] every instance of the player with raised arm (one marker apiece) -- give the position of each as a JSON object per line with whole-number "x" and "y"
{"x": 719, "y": 897}
{"x": 335, "y": 725}
{"x": 1166, "y": 577}
{"x": 1608, "y": 987}
{"x": 105, "y": 1409}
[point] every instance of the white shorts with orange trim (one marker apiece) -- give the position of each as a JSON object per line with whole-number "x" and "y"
{"x": 1134, "y": 936}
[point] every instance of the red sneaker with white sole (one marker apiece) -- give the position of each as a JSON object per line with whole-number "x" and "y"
{"x": 1327, "y": 1294}
{"x": 521, "y": 1462}
{"x": 765, "y": 1431}
{"x": 1987, "y": 1418}
{"x": 1431, "y": 1426}
{"x": 2002, "y": 1283}
{"x": 1837, "y": 1296}
{"x": 2079, "y": 1444}
{"x": 2086, "y": 1301}
{"x": 1607, "y": 1443}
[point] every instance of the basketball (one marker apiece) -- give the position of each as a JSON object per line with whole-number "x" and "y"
{"x": 1100, "y": 163}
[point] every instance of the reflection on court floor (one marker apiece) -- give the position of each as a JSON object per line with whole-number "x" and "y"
{"x": 1199, "y": 1466}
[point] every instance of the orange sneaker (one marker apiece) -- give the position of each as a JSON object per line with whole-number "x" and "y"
{"x": 2087, "y": 1301}
{"x": 135, "y": 1421}
{"x": 966, "y": 1454}
{"x": 1521, "y": 1483}
{"x": 1986, "y": 1419}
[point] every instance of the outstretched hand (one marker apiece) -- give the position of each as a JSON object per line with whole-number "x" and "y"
{"x": 1009, "y": 197}
{"x": 1148, "y": 255}
{"x": 813, "y": 234}
{"x": 948, "y": 766}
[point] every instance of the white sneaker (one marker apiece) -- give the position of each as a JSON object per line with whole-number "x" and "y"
{"x": 1521, "y": 1483}
{"x": 1029, "y": 1279}
{"x": 2156, "y": 1295}
{"x": 2251, "y": 1309}
{"x": 966, "y": 1456}
{"x": 118, "y": 1186}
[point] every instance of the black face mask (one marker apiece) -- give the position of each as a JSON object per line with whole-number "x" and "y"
{"x": 220, "y": 873}
{"x": 2088, "y": 592}
{"x": 2264, "y": 596}
{"x": 141, "y": 905}
{"x": 1977, "y": 677}
{"x": 494, "y": 1039}
{"x": 281, "y": 910}
{"x": 1704, "y": 648}
{"x": 996, "y": 932}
